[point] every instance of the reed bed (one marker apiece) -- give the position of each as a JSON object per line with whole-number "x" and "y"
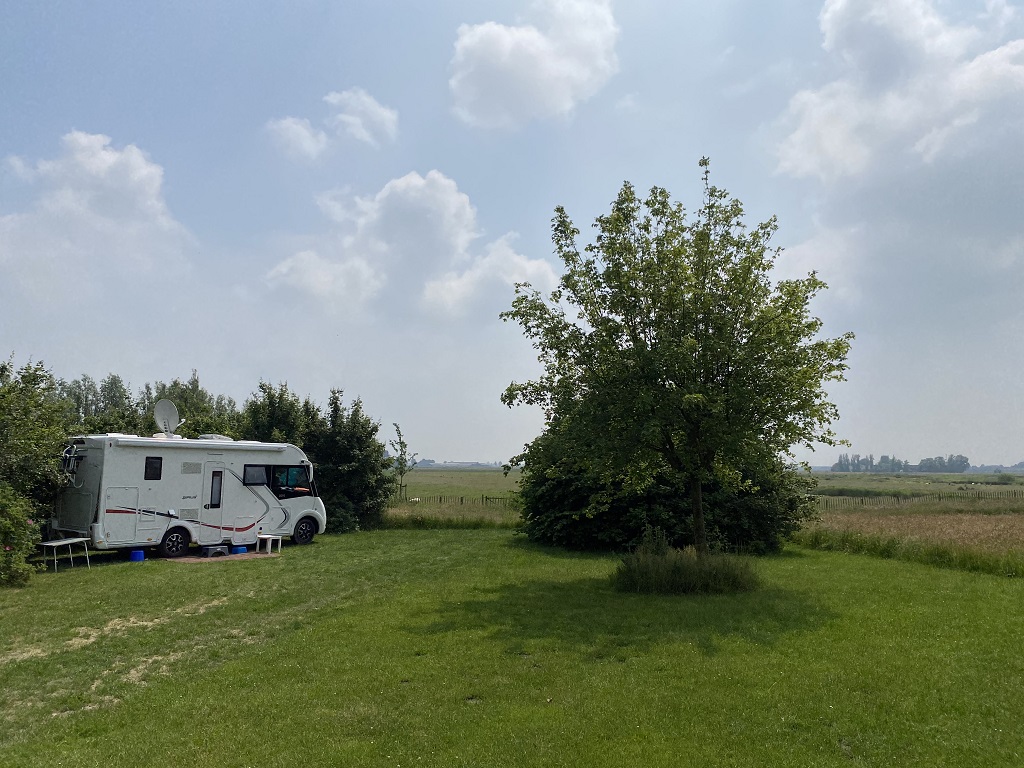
{"x": 441, "y": 515}
{"x": 988, "y": 532}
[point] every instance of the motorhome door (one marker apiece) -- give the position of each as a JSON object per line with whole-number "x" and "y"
{"x": 211, "y": 516}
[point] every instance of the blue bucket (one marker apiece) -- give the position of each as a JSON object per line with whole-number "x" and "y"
{"x": 137, "y": 556}
{"x": 239, "y": 550}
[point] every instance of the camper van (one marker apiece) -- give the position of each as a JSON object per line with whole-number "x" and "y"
{"x": 170, "y": 492}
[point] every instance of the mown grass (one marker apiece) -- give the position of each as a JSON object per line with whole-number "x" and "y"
{"x": 471, "y": 648}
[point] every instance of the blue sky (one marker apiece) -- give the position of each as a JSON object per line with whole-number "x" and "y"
{"x": 342, "y": 194}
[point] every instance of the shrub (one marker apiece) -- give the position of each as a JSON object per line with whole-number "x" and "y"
{"x": 18, "y": 537}
{"x": 353, "y": 471}
{"x": 655, "y": 567}
{"x": 565, "y": 503}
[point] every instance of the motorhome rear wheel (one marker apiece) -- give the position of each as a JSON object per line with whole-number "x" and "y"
{"x": 175, "y": 543}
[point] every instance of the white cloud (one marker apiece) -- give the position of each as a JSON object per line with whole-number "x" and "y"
{"x": 363, "y": 117}
{"x": 410, "y": 244}
{"x": 356, "y": 114}
{"x": 347, "y": 282}
{"x": 99, "y": 219}
{"x": 912, "y": 83}
{"x": 499, "y": 269}
{"x": 835, "y": 255}
{"x": 504, "y": 76}
{"x": 298, "y": 137}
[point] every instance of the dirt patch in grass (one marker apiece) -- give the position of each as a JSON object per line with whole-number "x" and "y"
{"x": 23, "y": 654}
{"x": 992, "y": 533}
{"x": 223, "y": 558}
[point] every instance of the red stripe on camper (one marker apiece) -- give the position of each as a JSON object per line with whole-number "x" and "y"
{"x": 228, "y": 527}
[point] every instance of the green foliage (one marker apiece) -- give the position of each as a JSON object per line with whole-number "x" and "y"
{"x": 33, "y": 428}
{"x": 947, "y": 555}
{"x": 277, "y": 415}
{"x": 106, "y": 407}
{"x": 565, "y": 503}
{"x": 204, "y": 412}
{"x": 670, "y": 356}
{"x": 19, "y": 536}
{"x": 354, "y": 475}
{"x": 656, "y": 568}
{"x": 404, "y": 462}
{"x": 951, "y": 463}
{"x": 110, "y": 407}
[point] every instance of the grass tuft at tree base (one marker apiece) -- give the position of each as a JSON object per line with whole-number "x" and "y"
{"x": 656, "y": 568}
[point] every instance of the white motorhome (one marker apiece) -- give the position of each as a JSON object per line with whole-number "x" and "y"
{"x": 169, "y": 492}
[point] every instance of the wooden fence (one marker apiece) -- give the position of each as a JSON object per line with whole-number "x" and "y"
{"x": 482, "y": 500}
{"x": 876, "y": 502}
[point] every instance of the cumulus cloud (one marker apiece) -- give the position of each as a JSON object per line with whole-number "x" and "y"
{"x": 363, "y": 117}
{"x": 504, "y": 76}
{"x": 98, "y": 217}
{"x": 500, "y": 268}
{"x": 298, "y": 137}
{"x": 350, "y": 281}
{"x": 413, "y": 244}
{"x": 355, "y": 114}
{"x": 912, "y": 82}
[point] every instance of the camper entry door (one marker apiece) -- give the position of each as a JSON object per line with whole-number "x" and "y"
{"x": 211, "y": 516}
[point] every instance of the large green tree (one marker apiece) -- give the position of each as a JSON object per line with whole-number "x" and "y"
{"x": 671, "y": 354}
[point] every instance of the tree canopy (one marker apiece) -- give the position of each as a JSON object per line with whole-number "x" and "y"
{"x": 670, "y": 352}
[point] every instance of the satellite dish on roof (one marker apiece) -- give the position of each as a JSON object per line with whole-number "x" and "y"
{"x": 166, "y": 415}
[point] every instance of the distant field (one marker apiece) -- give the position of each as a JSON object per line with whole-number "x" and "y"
{"x": 974, "y": 522}
{"x": 460, "y": 482}
{"x": 863, "y": 483}
{"x": 458, "y": 498}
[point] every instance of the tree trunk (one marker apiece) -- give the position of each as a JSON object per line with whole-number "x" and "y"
{"x": 700, "y": 533}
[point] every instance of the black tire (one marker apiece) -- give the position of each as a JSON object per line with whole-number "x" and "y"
{"x": 304, "y": 531}
{"x": 175, "y": 543}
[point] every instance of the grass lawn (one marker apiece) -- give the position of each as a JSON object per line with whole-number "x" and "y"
{"x": 472, "y": 648}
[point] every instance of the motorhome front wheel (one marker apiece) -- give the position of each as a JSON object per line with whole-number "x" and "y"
{"x": 305, "y": 530}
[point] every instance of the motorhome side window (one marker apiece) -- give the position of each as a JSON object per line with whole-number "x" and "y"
{"x": 216, "y": 485}
{"x": 254, "y": 474}
{"x": 154, "y": 467}
{"x": 286, "y": 481}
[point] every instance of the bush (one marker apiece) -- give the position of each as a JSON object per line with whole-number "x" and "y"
{"x": 18, "y": 537}
{"x": 655, "y": 567}
{"x": 353, "y": 471}
{"x": 566, "y": 504}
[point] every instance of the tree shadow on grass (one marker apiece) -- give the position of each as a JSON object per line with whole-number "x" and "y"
{"x": 589, "y": 616}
